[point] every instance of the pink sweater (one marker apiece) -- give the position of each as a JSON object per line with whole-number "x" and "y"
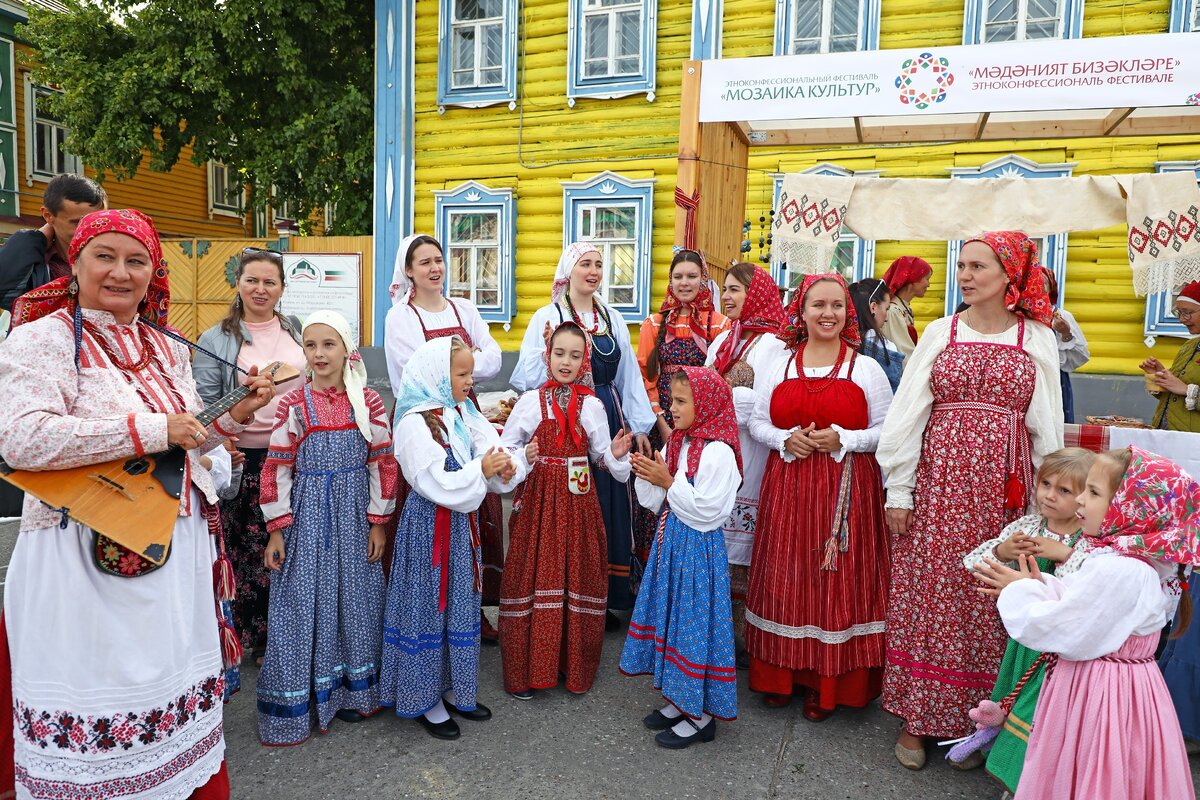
{"x": 269, "y": 342}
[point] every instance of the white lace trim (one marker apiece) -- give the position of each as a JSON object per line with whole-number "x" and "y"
{"x": 1166, "y": 275}
{"x": 814, "y": 632}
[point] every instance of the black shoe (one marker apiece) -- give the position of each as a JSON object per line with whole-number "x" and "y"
{"x": 525, "y": 695}
{"x": 612, "y": 622}
{"x": 349, "y": 715}
{"x": 479, "y": 714}
{"x": 440, "y": 730}
{"x": 657, "y": 721}
{"x": 742, "y": 659}
{"x": 673, "y": 741}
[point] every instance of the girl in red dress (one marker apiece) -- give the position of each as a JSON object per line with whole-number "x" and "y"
{"x": 555, "y": 587}
{"x": 819, "y": 573}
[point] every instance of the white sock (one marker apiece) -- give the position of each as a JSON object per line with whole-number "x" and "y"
{"x": 438, "y": 713}
{"x": 450, "y": 698}
{"x": 671, "y": 712}
{"x": 685, "y": 728}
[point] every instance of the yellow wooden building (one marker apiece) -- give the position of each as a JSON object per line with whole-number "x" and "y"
{"x": 507, "y": 127}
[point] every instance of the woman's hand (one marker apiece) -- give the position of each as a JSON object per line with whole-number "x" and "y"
{"x": 1045, "y": 547}
{"x": 643, "y": 444}
{"x": 1151, "y": 364}
{"x": 653, "y": 470}
{"x": 997, "y": 576}
{"x": 185, "y": 431}
{"x": 1060, "y": 326}
{"x": 1013, "y": 546}
{"x": 898, "y": 520}
{"x": 1170, "y": 382}
{"x": 827, "y": 441}
{"x": 622, "y": 443}
{"x": 531, "y": 451}
{"x": 236, "y": 457}
{"x": 799, "y": 444}
{"x": 547, "y": 332}
{"x": 664, "y": 429}
{"x": 375, "y": 542}
{"x": 261, "y": 389}
{"x": 273, "y": 555}
{"x": 494, "y": 462}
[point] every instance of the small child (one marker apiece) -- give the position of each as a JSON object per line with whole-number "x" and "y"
{"x": 1054, "y": 537}
{"x": 682, "y": 626}
{"x": 1105, "y": 726}
{"x": 328, "y": 487}
{"x": 558, "y": 552}
{"x": 451, "y": 457}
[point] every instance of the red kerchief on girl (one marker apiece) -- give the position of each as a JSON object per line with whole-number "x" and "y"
{"x": 715, "y": 420}
{"x": 905, "y": 270}
{"x": 701, "y": 309}
{"x": 762, "y": 312}
{"x": 576, "y": 391}
{"x": 1026, "y": 294}
{"x": 795, "y": 332}
{"x": 1155, "y": 512}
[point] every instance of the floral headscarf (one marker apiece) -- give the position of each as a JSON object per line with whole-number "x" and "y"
{"x": 795, "y": 332}
{"x": 700, "y": 316}
{"x": 715, "y": 420}
{"x": 426, "y": 387}
{"x": 1155, "y": 512}
{"x": 566, "y": 262}
{"x": 581, "y": 387}
{"x": 905, "y": 270}
{"x": 57, "y": 294}
{"x": 762, "y": 312}
{"x": 354, "y": 372}
{"x": 1026, "y": 293}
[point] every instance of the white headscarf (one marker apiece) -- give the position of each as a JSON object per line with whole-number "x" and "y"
{"x": 354, "y": 372}
{"x": 566, "y": 262}
{"x": 426, "y": 387}
{"x": 401, "y": 288}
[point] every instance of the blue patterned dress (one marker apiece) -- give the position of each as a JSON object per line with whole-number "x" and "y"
{"x": 324, "y": 634}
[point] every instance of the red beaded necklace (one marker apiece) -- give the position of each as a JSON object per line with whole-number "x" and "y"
{"x": 135, "y": 366}
{"x": 593, "y": 329}
{"x": 820, "y": 382}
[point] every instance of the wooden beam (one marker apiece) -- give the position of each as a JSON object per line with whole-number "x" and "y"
{"x": 1114, "y": 119}
{"x": 983, "y": 120}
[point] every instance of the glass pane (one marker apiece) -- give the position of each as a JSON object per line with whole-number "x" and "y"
{"x": 460, "y": 266}
{"x": 806, "y": 19}
{"x": 477, "y": 9}
{"x": 1042, "y": 9}
{"x": 1047, "y": 29}
{"x": 629, "y": 33}
{"x": 845, "y": 17}
{"x": 616, "y": 222}
{"x": 610, "y": 3}
{"x": 493, "y": 46}
{"x": 488, "y": 276}
{"x": 805, "y": 47}
{"x": 1000, "y": 33}
{"x": 1002, "y": 10}
{"x": 621, "y": 265}
{"x": 843, "y": 44}
{"x": 489, "y": 77}
{"x": 620, "y": 296}
{"x": 843, "y": 260}
{"x": 627, "y": 65}
{"x": 487, "y": 297}
{"x": 595, "y": 36}
{"x": 585, "y": 223}
{"x": 462, "y": 48}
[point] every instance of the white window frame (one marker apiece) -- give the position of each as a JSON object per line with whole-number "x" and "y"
{"x": 475, "y": 198}
{"x": 71, "y": 163}
{"x": 579, "y": 84}
{"x": 220, "y": 206}
{"x": 1185, "y": 16}
{"x": 975, "y": 20}
{"x": 868, "y": 25}
{"x": 477, "y": 95}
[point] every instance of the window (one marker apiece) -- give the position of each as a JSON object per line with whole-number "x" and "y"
{"x": 1185, "y": 16}
{"x": 225, "y": 191}
{"x": 477, "y": 53}
{"x": 1052, "y": 249}
{"x": 1159, "y": 319}
{"x": 476, "y": 226}
{"x": 853, "y": 259}
{"x": 615, "y": 213}
{"x": 46, "y": 139}
{"x": 825, "y": 26}
{"x": 1021, "y": 20}
{"x": 611, "y": 48}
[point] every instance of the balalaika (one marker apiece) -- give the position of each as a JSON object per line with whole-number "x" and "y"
{"x": 132, "y": 501}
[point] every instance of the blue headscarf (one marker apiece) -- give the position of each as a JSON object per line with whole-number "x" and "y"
{"x": 426, "y": 387}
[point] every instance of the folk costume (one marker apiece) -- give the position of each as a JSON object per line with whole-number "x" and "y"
{"x": 979, "y": 411}
{"x": 117, "y": 683}
{"x": 1182, "y": 412}
{"x": 330, "y": 474}
{"x": 900, "y": 328}
{"x": 431, "y": 619}
{"x": 1104, "y": 725}
{"x": 618, "y": 385}
{"x": 738, "y": 360}
{"x": 682, "y": 627}
{"x": 555, "y": 585}
{"x": 819, "y": 578}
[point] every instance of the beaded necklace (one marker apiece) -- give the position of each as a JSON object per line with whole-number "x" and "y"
{"x": 135, "y": 366}
{"x": 594, "y": 329}
{"x": 820, "y": 382}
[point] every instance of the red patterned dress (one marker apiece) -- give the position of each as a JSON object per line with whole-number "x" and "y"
{"x": 945, "y": 640}
{"x": 818, "y": 576}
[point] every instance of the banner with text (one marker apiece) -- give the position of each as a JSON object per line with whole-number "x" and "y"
{"x": 323, "y": 281}
{"x": 1047, "y": 75}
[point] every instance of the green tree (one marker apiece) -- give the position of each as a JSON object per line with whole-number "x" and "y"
{"x": 281, "y": 92}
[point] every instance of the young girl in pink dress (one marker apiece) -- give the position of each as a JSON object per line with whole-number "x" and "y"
{"x": 1105, "y": 726}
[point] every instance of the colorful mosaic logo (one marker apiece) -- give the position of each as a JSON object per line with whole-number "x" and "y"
{"x": 923, "y": 80}
{"x": 1193, "y": 99}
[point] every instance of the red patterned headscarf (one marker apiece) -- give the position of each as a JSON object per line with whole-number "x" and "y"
{"x": 715, "y": 420}
{"x": 905, "y": 270}
{"x": 1026, "y": 294}
{"x": 701, "y": 309}
{"x": 57, "y": 294}
{"x": 762, "y": 312}
{"x": 1155, "y": 512}
{"x": 581, "y": 387}
{"x": 795, "y": 333}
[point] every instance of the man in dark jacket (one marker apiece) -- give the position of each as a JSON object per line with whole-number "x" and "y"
{"x": 34, "y": 257}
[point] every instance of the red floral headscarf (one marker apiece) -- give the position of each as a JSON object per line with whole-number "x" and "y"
{"x": 762, "y": 312}
{"x": 715, "y": 420}
{"x": 1026, "y": 294}
{"x": 905, "y": 270}
{"x": 581, "y": 387}
{"x": 795, "y": 333}
{"x": 1155, "y": 512}
{"x": 700, "y": 316}
{"x": 57, "y": 294}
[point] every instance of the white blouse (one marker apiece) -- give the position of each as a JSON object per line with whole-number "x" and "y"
{"x": 1074, "y": 353}
{"x": 526, "y": 416}
{"x": 531, "y": 371}
{"x": 1092, "y": 612}
{"x": 1031, "y": 525}
{"x": 706, "y": 505}
{"x": 422, "y": 460}
{"x": 903, "y": 432}
{"x": 867, "y": 374}
{"x": 403, "y": 335}
{"x": 768, "y": 349}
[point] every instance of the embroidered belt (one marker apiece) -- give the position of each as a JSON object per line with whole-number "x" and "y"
{"x": 839, "y": 535}
{"x": 553, "y": 461}
{"x": 329, "y": 494}
{"x": 1015, "y": 491}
